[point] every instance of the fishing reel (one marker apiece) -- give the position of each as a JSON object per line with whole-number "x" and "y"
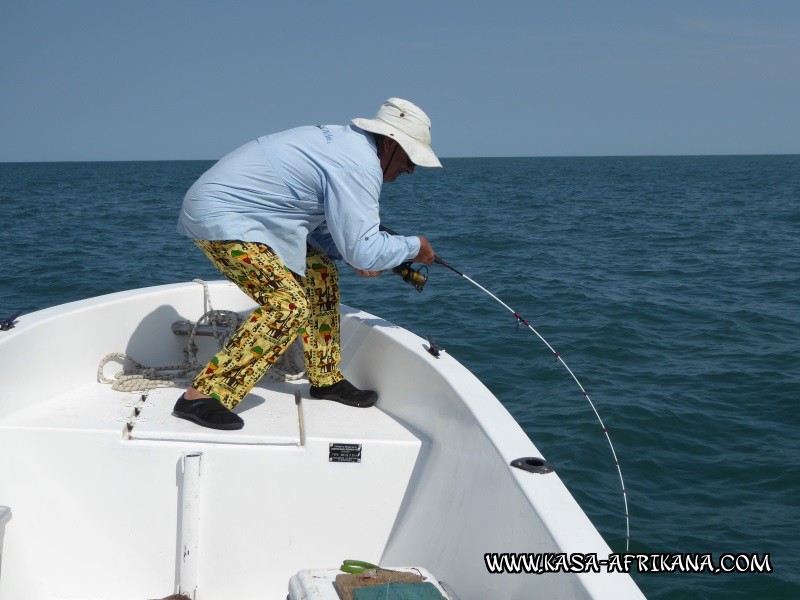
{"x": 412, "y": 276}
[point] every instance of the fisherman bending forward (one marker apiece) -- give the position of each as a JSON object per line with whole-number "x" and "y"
{"x": 270, "y": 216}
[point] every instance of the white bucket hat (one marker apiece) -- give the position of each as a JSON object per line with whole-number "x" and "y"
{"x": 405, "y": 122}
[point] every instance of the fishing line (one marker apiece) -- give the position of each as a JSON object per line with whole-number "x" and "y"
{"x": 521, "y": 321}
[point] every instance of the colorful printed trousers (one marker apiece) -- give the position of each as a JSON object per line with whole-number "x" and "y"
{"x": 288, "y": 305}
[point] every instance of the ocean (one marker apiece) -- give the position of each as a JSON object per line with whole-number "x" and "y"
{"x": 669, "y": 285}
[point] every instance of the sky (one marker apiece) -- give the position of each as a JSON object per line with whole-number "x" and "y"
{"x": 193, "y": 79}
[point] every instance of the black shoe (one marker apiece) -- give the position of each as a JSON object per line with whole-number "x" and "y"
{"x": 207, "y": 412}
{"x": 346, "y": 393}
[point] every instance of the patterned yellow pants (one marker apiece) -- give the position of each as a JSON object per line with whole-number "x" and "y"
{"x": 288, "y": 305}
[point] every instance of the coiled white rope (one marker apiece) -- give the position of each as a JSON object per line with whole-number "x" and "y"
{"x": 137, "y": 377}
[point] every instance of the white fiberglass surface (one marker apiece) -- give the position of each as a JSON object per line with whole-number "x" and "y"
{"x": 93, "y": 506}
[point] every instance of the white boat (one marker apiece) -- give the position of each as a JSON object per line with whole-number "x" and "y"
{"x": 106, "y": 495}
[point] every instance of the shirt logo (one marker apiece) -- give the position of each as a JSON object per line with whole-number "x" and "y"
{"x": 327, "y": 133}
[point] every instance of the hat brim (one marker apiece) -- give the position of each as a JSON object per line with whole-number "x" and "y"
{"x": 419, "y": 153}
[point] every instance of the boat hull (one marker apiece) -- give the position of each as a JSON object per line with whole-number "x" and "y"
{"x": 99, "y": 499}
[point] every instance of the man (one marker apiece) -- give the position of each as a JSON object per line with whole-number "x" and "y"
{"x": 271, "y": 215}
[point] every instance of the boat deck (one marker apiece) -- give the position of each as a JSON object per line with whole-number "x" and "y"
{"x": 272, "y": 417}
{"x": 276, "y": 496}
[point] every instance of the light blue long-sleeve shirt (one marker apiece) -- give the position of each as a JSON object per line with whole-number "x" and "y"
{"x": 319, "y": 185}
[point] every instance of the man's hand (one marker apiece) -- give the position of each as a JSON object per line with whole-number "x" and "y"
{"x": 364, "y": 273}
{"x": 426, "y": 254}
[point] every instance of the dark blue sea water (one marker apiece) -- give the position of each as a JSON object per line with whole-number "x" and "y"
{"x": 670, "y": 285}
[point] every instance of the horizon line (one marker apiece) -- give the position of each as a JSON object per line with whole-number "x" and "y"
{"x": 707, "y": 155}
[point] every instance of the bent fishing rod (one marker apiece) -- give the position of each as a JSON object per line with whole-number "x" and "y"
{"x": 417, "y": 278}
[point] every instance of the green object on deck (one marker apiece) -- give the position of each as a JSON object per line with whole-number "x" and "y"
{"x": 399, "y": 591}
{"x": 356, "y": 566}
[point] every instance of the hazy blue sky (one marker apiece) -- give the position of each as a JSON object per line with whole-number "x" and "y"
{"x": 187, "y": 79}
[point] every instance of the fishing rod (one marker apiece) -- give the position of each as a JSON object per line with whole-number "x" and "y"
{"x": 418, "y": 279}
